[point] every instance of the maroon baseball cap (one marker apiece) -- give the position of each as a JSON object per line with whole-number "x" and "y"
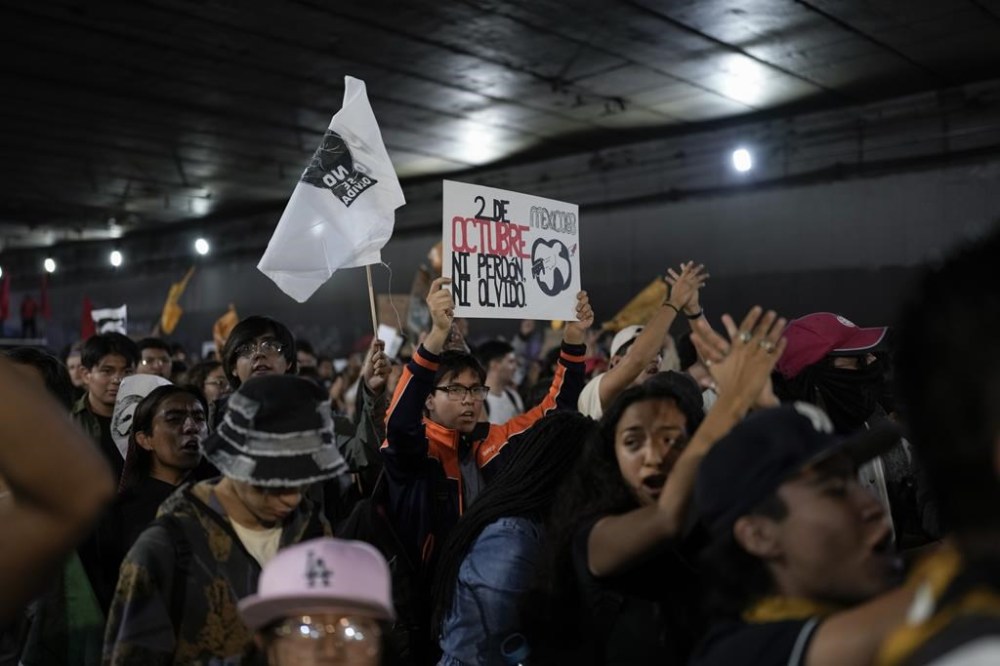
{"x": 814, "y": 336}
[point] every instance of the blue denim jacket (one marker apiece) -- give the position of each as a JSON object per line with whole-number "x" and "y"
{"x": 499, "y": 568}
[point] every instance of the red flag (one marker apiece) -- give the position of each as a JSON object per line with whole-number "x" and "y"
{"x": 46, "y": 311}
{"x": 87, "y": 327}
{"x": 5, "y": 298}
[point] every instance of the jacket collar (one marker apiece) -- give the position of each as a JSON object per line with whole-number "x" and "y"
{"x": 81, "y": 404}
{"x": 198, "y": 498}
{"x": 452, "y": 438}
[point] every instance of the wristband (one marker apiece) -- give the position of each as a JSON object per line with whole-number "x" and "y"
{"x": 697, "y": 315}
{"x": 672, "y": 307}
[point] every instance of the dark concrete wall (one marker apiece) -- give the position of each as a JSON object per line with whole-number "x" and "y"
{"x": 851, "y": 247}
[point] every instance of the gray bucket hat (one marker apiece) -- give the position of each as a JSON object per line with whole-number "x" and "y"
{"x": 277, "y": 432}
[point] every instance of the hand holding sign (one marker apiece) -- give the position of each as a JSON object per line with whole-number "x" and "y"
{"x": 442, "y": 308}
{"x": 576, "y": 331}
{"x": 512, "y": 255}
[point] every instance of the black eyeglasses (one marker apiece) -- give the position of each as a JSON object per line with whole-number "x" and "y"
{"x": 458, "y": 392}
{"x": 266, "y": 347}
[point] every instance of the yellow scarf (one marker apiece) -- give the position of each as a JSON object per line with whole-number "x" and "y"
{"x": 931, "y": 579}
{"x": 778, "y": 609}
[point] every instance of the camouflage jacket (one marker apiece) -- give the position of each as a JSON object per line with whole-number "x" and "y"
{"x": 179, "y": 584}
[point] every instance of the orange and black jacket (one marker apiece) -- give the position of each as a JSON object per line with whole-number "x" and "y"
{"x": 433, "y": 472}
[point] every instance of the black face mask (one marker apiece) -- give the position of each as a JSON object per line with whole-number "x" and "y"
{"x": 849, "y": 396}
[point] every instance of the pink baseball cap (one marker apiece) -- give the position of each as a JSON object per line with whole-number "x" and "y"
{"x": 321, "y": 576}
{"x": 814, "y": 336}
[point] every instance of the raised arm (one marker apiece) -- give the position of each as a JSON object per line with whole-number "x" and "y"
{"x": 855, "y": 636}
{"x": 649, "y": 343}
{"x": 564, "y": 391}
{"x": 442, "y": 307}
{"x": 59, "y": 483}
{"x": 360, "y": 445}
{"x": 406, "y": 440}
{"x": 692, "y": 308}
{"x": 616, "y": 542}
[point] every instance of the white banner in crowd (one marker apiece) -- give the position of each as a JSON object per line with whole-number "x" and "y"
{"x": 392, "y": 339}
{"x": 510, "y": 255}
{"x": 111, "y": 320}
{"x": 131, "y": 392}
{"x": 342, "y": 211}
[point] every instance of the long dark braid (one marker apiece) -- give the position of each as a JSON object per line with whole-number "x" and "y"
{"x": 526, "y": 486}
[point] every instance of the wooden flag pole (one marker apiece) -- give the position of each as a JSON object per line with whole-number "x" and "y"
{"x": 371, "y": 299}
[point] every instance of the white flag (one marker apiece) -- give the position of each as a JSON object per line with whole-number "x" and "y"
{"x": 342, "y": 211}
{"x": 111, "y": 320}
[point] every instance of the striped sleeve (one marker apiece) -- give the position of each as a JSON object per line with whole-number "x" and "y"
{"x": 404, "y": 420}
{"x": 563, "y": 392}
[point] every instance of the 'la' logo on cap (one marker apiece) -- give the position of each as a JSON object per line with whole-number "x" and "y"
{"x": 316, "y": 571}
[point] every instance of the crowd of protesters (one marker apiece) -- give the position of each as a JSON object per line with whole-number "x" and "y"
{"x": 754, "y": 491}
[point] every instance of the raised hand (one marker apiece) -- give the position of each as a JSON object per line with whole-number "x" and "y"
{"x": 684, "y": 286}
{"x": 576, "y": 331}
{"x": 441, "y": 304}
{"x": 741, "y": 367}
{"x": 442, "y": 309}
{"x": 375, "y": 370}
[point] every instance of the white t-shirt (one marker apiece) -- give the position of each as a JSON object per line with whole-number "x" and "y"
{"x": 504, "y": 407}
{"x": 589, "y": 402}
{"x": 262, "y": 544}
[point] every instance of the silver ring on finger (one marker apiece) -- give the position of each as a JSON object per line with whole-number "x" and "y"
{"x": 745, "y": 336}
{"x": 767, "y": 346}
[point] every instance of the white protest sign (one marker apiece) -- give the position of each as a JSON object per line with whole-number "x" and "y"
{"x": 111, "y": 320}
{"x": 392, "y": 339}
{"x": 510, "y": 255}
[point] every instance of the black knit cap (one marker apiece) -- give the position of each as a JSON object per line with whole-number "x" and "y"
{"x": 277, "y": 432}
{"x": 769, "y": 448}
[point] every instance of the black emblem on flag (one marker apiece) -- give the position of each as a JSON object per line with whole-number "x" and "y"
{"x": 333, "y": 168}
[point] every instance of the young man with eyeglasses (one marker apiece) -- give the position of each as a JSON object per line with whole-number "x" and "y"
{"x": 440, "y": 451}
{"x": 107, "y": 359}
{"x": 259, "y": 346}
{"x": 154, "y": 358}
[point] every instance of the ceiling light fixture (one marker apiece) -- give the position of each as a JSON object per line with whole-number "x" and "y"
{"x": 116, "y": 258}
{"x": 742, "y": 160}
{"x": 201, "y": 246}
{"x": 50, "y": 265}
